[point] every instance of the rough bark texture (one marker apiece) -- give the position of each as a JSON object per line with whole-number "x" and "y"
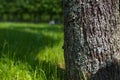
{"x": 90, "y": 45}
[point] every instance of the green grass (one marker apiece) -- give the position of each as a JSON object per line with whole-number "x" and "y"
{"x": 31, "y": 51}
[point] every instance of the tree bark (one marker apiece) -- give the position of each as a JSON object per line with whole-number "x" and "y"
{"x": 90, "y": 46}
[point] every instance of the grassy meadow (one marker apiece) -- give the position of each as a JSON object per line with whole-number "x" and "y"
{"x": 31, "y": 51}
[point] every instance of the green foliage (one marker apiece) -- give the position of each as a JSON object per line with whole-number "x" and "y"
{"x": 31, "y": 52}
{"x": 34, "y": 9}
{"x": 31, "y": 6}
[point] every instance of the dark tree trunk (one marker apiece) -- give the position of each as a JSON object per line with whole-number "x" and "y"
{"x": 90, "y": 46}
{"x": 37, "y": 18}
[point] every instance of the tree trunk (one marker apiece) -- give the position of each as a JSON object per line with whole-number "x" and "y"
{"x": 90, "y": 46}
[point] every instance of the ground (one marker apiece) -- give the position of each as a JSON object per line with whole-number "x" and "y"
{"x": 31, "y": 51}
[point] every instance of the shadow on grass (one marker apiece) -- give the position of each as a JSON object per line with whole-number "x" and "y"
{"x": 24, "y": 46}
{"x": 50, "y": 28}
{"x": 52, "y": 71}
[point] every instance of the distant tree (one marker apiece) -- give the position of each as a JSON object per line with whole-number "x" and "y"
{"x": 90, "y": 47}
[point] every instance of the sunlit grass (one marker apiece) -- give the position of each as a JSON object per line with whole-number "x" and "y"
{"x": 31, "y": 51}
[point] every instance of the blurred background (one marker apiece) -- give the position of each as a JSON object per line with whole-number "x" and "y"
{"x": 31, "y": 10}
{"x": 31, "y": 40}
